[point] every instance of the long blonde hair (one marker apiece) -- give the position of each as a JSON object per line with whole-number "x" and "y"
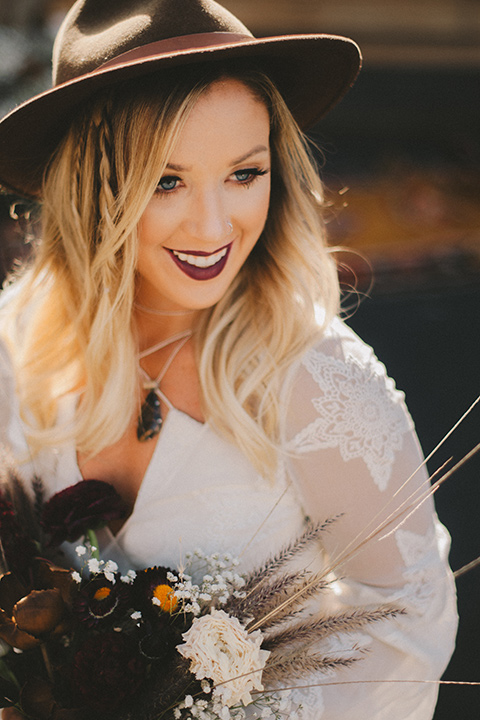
{"x": 69, "y": 321}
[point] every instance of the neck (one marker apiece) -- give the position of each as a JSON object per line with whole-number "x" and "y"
{"x": 154, "y": 328}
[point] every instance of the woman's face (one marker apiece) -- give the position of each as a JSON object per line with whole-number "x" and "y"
{"x": 211, "y": 204}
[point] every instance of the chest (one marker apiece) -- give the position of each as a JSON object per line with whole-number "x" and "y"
{"x": 123, "y": 464}
{"x": 200, "y": 491}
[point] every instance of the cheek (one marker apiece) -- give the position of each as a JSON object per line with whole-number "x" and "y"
{"x": 158, "y": 222}
{"x": 256, "y": 209}
{"x": 150, "y": 228}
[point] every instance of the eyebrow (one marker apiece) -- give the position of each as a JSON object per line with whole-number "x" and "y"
{"x": 255, "y": 151}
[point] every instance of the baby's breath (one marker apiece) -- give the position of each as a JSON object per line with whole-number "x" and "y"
{"x": 217, "y": 581}
{"x": 129, "y": 577}
{"x": 266, "y": 707}
{"x": 94, "y": 565}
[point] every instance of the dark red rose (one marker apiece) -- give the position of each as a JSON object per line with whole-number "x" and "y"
{"x": 18, "y": 549}
{"x": 88, "y": 505}
{"x": 108, "y": 670}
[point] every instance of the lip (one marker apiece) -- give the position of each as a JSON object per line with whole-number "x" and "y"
{"x": 199, "y": 273}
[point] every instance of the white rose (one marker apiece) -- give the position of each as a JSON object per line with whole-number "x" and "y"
{"x": 220, "y": 649}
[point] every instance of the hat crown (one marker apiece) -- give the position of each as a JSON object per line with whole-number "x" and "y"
{"x": 96, "y": 31}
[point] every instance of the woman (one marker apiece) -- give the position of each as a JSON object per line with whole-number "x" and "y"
{"x": 175, "y": 334}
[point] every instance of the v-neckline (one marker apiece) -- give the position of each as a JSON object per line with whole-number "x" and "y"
{"x": 173, "y": 418}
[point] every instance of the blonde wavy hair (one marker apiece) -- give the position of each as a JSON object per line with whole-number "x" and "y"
{"x": 68, "y": 321}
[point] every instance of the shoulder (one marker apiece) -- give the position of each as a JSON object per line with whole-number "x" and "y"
{"x": 340, "y": 396}
{"x": 340, "y": 343}
{"x": 342, "y": 360}
{"x": 7, "y": 294}
{"x": 6, "y": 366}
{"x": 7, "y": 375}
{"x": 8, "y": 401}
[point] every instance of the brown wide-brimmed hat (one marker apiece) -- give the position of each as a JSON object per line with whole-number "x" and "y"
{"x": 104, "y": 42}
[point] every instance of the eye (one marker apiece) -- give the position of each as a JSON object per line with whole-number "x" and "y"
{"x": 247, "y": 175}
{"x": 168, "y": 183}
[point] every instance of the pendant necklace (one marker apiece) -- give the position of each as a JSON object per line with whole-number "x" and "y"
{"x": 150, "y": 419}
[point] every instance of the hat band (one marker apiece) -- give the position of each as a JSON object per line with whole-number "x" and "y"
{"x": 174, "y": 45}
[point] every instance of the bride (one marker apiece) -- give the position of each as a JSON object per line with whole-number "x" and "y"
{"x": 177, "y": 332}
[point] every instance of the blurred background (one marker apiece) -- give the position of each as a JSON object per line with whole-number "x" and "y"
{"x": 400, "y": 158}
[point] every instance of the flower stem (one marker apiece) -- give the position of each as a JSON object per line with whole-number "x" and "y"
{"x": 92, "y": 539}
{"x": 47, "y": 662}
{"x": 7, "y": 674}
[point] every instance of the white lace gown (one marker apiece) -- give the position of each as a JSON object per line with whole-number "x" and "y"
{"x": 349, "y": 448}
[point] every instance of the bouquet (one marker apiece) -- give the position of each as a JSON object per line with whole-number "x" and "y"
{"x": 200, "y": 641}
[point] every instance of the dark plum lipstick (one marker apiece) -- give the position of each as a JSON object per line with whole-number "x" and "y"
{"x": 197, "y": 272}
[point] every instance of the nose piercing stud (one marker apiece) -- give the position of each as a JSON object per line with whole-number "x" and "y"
{"x": 230, "y": 227}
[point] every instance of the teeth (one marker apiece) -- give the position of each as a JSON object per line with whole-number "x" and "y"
{"x": 201, "y": 261}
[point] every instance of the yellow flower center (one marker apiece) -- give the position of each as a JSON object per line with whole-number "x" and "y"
{"x": 166, "y": 597}
{"x": 102, "y": 593}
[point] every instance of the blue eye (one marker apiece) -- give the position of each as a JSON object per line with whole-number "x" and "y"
{"x": 243, "y": 175}
{"x": 168, "y": 183}
{"x": 248, "y": 175}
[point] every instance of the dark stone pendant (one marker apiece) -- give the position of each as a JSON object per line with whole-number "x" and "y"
{"x": 150, "y": 418}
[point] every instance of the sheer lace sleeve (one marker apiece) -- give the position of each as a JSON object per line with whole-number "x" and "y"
{"x": 6, "y": 393}
{"x": 351, "y": 447}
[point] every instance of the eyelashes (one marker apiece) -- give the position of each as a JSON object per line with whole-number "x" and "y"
{"x": 245, "y": 177}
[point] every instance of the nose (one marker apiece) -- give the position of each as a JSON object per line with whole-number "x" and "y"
{"x": 208, "y": 221}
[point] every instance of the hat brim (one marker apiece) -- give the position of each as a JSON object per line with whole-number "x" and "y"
{"x": 312, "y": 72}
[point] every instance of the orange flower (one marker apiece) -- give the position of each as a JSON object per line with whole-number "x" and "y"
{"x": 153, "y": 591}
{"x": 164, "y": 597}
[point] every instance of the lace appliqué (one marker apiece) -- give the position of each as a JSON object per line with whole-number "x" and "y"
{"x": 416, "y": 551}
{"x": 359, "y": 411}
{"x": 310, "y": 703}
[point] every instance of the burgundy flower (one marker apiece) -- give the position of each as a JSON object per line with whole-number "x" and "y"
{"x": 18, "y": 549}
{"x": 99, "y": 601}
{"x": 108, "y": 670}
{"x": 88, "y": 505}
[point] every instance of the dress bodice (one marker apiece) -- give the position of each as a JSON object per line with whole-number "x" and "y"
{"x": 200, "y": 492}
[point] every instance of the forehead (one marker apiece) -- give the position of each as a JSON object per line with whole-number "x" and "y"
{"x": 228, "y": 117}
{"x": 229, "y": 89}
